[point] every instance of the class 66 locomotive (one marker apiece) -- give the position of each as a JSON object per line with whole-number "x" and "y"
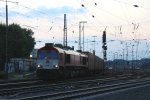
{"x": 56, "y": 61}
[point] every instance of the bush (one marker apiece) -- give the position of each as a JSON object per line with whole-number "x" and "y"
{"x": 3, "y": 75}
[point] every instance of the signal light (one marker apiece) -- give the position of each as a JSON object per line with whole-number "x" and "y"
{"x": 104, "y": 47}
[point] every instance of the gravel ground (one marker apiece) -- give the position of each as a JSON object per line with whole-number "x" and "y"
{"x": 136, "y": 93}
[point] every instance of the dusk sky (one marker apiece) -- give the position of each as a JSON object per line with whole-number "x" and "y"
{"x": 127, "y": 23}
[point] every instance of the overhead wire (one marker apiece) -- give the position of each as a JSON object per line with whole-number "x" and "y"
{"x": 95, "y": 4}
{"x": 85, "y": 5}
{"x": 131, "y": 4}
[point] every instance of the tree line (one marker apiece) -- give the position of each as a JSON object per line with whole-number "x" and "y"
{"x": 17, "y": 43}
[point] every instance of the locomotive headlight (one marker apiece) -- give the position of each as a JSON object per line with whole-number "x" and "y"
{"x": 56, "y": 66}
{"x": 39, "y": 66}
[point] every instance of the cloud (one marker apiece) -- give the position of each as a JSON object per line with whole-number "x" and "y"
{"x": 43, "y": 11}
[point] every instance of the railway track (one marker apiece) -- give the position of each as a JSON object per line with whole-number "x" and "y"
{"x": 15, "y": 91}
{"x": 79, "y": 93}
{"x": 24, "y": 91}
{"x": 18, "y": 83}
{"x": 7, "y": 87}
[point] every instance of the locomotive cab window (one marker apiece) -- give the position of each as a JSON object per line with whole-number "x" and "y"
{"x": 48, "y": 54}
{"x": 67, "y": 58}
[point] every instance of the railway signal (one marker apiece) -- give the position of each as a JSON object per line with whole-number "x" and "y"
{"x": 104, "y": 45}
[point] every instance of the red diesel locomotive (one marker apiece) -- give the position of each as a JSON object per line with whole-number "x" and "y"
{"x": 54, "y": 61}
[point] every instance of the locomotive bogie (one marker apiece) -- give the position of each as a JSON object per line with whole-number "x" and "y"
{"x": 46, "y": 74}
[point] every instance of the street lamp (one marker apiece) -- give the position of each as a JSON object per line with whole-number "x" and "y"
{"x": 81, "y": 22}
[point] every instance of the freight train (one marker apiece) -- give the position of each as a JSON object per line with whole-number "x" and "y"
{"x": 55, "y": 61}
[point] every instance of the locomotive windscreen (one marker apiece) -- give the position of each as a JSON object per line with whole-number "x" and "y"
{"x": 48, "y": 54}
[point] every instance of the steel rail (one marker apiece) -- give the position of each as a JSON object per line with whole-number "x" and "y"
{"x": 13, "y": 92}
{"x": 20, "y": 83}
{"x": 89, "y": 91}
{"x": 21, "y": 90}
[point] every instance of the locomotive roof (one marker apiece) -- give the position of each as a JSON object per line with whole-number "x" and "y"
{"x": 60, "y": 50}
{"x": 68, "y": 51}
